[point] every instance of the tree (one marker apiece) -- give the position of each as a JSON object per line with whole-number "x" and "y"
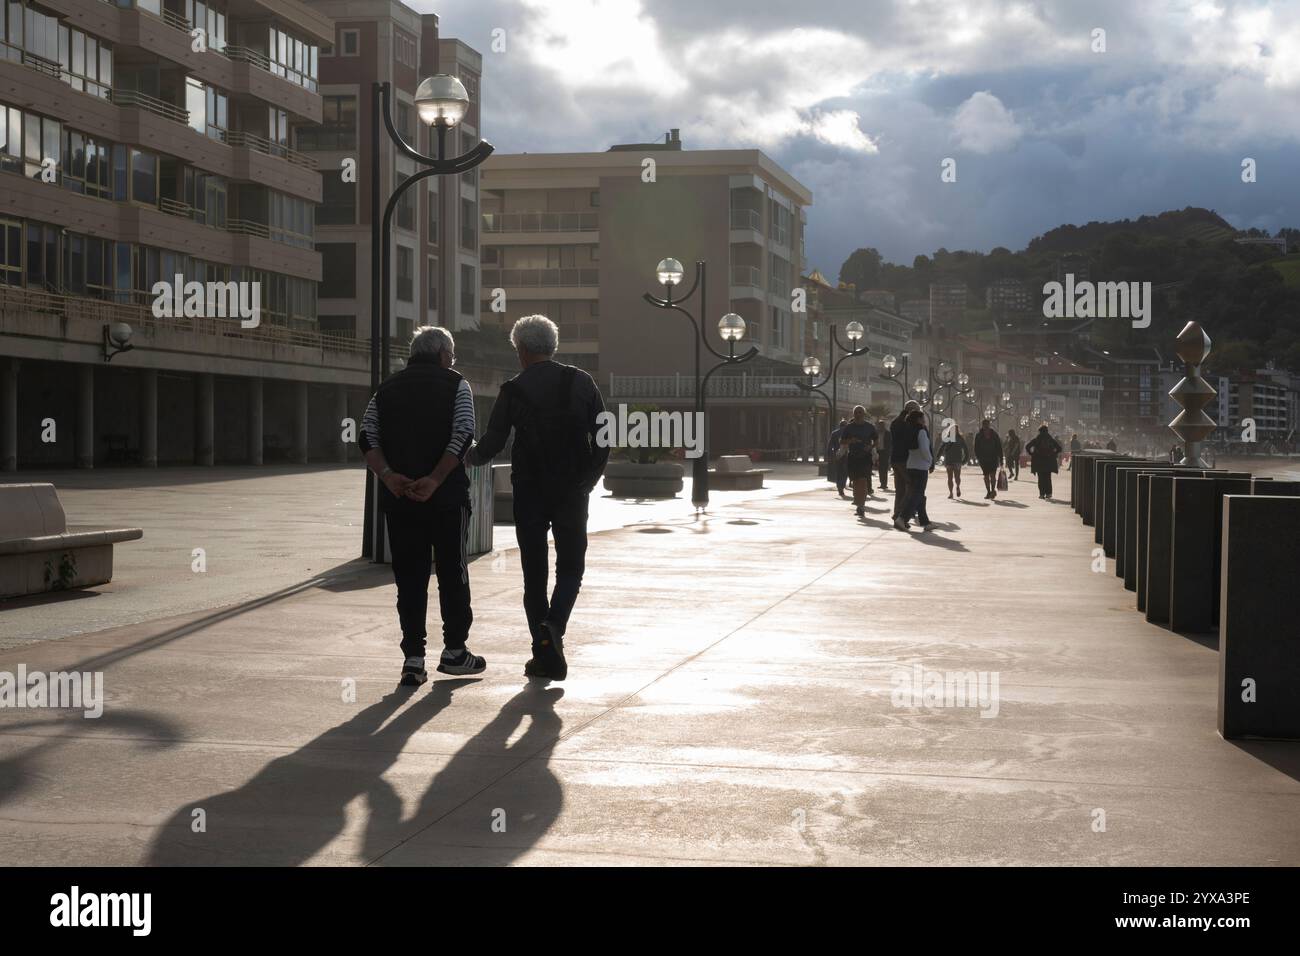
{"x": 862, "y": 269}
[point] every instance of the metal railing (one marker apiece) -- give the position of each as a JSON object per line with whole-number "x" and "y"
{"x": 540, "y": 222}
{"x": 174, "y": 207}
{"x": 746, "y": 275}
{"x": 728, "y": 386}
{"x": 16, "y": 54}
{"x": 151, "y": 104}
{"x": 541, "y": 278}
{"x": 243, "y": 54}
{"x": 139, "y": 315}
{"x": 242, "y": 139}
{"x": 247, "y": 227}
{"x": 746, "y": 219}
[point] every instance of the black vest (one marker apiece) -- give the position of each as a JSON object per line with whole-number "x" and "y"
{"x": 415, "y": 409}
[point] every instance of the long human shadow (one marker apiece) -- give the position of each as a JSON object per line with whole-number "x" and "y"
{"x": 526, "y": 811}
{"x": 296, "y": 804}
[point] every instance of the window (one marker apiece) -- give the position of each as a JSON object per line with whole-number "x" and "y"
{"x": 468, "y": 290}
{"x": 404, "y": 214}
{"x": 204, "y": 16}
{"x": 11, "y": 252}
{"x": 350, "y": 40}
{"x": 338, "y": 129}
{"x": 338, "y": 265}
{"x": 42, "y": 140}
{"x": 85, "y": 62}
{"x": 338, "y": 201}
{"x": 217, "y": 114}
{"x": 595, "y": 198}
{"x": 289, "y": 220}
{"x": 277, "y": 126}
{"x": 86, "y": 165}
{"x": 432, "y": 282}
{"x": 339, "y": 326}
{"x": 404, "y": 122}
{"x": 144, "y": 177}
{"x": 11, "y": 139}
{"x": 432, "y": 202}
{"x": 468, "y": 223}
{"x": 404, "y": 48}
{"x": 405, "y": 274}
{"x": 291, "y": 58}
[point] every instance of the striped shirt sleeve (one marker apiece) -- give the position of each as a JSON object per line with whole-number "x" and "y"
{"x": 370, "y": 426}
{"x": 462, "y": 422}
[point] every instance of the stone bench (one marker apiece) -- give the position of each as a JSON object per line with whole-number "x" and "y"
{"x": 736, "y": 473}
{"x": 37, "y": 551}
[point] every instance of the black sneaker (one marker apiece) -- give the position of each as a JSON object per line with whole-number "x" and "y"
{"x": 462, "y": 662}
{"x": 548, "y": 658}
{"x": 413, "y": 672}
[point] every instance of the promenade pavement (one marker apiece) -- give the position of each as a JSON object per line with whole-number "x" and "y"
{"x": 733, "y": 699}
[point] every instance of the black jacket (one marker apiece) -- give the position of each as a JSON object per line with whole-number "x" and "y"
{"x": 902, "y": 439}
{"x": 988, "y": 448}
{"x": 539, "y": 387}
{"x": 1042, "y": 450}
{"x": 415, "y": 408}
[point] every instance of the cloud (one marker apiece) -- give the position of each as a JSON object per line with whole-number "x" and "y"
{"x": 983, "y": 125}
{"x": 840, "y": 128}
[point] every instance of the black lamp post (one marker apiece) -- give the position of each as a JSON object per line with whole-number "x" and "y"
{"x": 732, "y": 329}
{"x": 812, "y": 367}
{"x": 939, "y": 391}
{"x": 441, "y": 102}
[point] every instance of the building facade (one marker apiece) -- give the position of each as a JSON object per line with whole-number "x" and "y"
{"x": 144, "y": 141}
{"x": 577, "y": 236}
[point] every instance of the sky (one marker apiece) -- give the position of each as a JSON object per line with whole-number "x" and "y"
{"x": 1048, "y": 120}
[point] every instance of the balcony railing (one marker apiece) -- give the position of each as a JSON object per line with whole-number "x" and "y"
{"x": 746, "y": 275}
{"x": 541, "y": 278}
{"x": 540, "y": 222}
{"x": 727, "y": 386}
{"x": 139, "y": 315}
{"x": 247, "y": 227}
{"x": 40, "y": 64}
{"x": 746, "y": 219}
{"x": 245, "y": 140}
{"x": 174, "y": 207}
{"x": 151, "y": 104}
{"x": 243, "y": 54}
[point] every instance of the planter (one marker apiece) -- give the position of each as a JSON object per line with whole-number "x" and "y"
{"x": 625, "y": 479}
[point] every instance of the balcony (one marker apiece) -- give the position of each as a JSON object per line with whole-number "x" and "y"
{"x": 151, "y": 104}
{"x": 746, "y": 219}
{"x": 740, "y": 387}
{"x": 541, "y": 278}
{"x": 746, "y": 276}
{"x": 240, "y": 139}
{"x": 495, "y": 222}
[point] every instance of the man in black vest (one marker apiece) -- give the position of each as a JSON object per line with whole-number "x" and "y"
{"x": 415, "y": 431}
{"x": 556, "y": 460}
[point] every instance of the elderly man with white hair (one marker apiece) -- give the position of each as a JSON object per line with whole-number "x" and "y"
{"x": 554, "y": 411}
{"x": 415, "y": 433}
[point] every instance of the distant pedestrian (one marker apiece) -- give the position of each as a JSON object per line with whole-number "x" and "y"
{"x": 859, "y": 437}
{"x": 1043, "y": 450}
{"x": 954, "y": 456}
{"x": 988, "y": 453}
{"x": 835, "y": 470}
{"x": 554, "y": 411}
{"x": 920, "y": 463}
{"x": 900, "y": 442}
{"x": 1012, "y": 450}
{"x": 1075, "y": 447}
{"x": 1112, "y": 445}
{"x": 883, "y": 447}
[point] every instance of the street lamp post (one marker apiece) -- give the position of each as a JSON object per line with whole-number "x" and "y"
{"x": 812, "y": 367}
{"x": 441, "y": 102}
{"x": 731, "y": 327}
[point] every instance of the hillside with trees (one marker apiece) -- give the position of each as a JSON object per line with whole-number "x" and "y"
{"x": 1246, "y": 296}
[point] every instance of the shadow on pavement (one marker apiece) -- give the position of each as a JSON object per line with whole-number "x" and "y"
{"x": 1281, "y": 755}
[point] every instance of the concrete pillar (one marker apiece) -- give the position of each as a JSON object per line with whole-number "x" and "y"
{"x": 149, "y": 418}
{"x": 254, "y": 421}
{"x": 9, "y": 415}
{"x": 85, "y": 416}
{"x": 204, "y": 425}
{"x": 300, "y": 423}
{"x": 340, "y": 413}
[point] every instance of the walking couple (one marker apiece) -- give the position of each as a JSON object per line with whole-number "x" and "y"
{"x": 912, "y": 458}
{"x": 418, "y": 434}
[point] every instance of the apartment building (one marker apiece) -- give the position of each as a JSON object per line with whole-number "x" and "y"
{"x": 1078, "y": 388}
{"x": 1265, "y": 396}
{"x": 1132, "y": 396}
{"x": 142, "y": 140}
{"x": 435, "y": 246}
{"x": 577, "y": 236}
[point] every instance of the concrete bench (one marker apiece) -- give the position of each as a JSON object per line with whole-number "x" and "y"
{"x": 736, "y": 473}
{"x": 37, "y": 551}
